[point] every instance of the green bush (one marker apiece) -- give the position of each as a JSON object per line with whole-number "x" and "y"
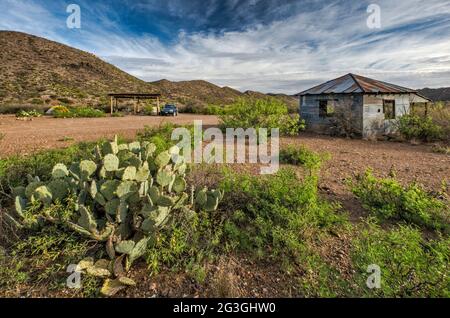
{"x": 410, "y": 265}
{"x": 389, "y": 200}
{"x": 262, "y": 113}
{"x": 422, "y": 128}
{"x": 87, "y": 112}
{"x": 274, "y": 216}
{"x": 78, "y": 112}
{"x": 302, "y": 156}
{"x": 187, "y": 242}
{"x": 42, "y": 259}
{"x": 214, "y": 110}
{"x": 28, "y": 114}
{"x": 148, "y": 109}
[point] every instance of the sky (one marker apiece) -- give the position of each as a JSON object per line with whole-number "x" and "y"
{"x": 277, "y": 46}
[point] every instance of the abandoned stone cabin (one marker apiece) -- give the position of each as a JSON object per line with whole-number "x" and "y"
{"x": 372, "y": 106}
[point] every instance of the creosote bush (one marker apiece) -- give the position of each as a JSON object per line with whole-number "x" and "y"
{"x": 302, "y": 156}
{"x": 262, "y": 113}
{"x": 275, "y": 216}
{"x": 421, "y": 128}
{"x": 389, "y": 200}
{"x": 410, "y": 265}
{"x": 77, "y": 112}
{"x": 28, "y": 114}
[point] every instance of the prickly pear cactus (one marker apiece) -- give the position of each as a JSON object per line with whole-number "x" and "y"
{"x": 123, "y": 196}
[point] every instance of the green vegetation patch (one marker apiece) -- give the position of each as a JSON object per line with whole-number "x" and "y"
{"x": 262, "y": 113}
{"x": 387, "y": 199}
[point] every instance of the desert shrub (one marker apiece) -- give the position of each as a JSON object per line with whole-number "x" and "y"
{"x": 214, "y": 110}
{"x": 410, "y": 265}
{"x": 440, "y": 113}
{"x": 344, "y": 123}
{"x": 422, "y": 128}
{"x": 77, "y": 112}
{"x": 14, "y": 169}
{"x": 87, "y": 112}
{"x": 42, "y": 258}
{"x": 187, "y": 243}
{"x": 15, "y": 108}
{"x": 302, "y": 156}
{"x": 441, "y": 149}
{"x": 28, "y": 114}
{"x": 148, "y": 109}
{"x": 389, "y": 200}
{"x": 262, "y": 113}
{"x": 60, "y": 111}
{"x": 274, "y": 216}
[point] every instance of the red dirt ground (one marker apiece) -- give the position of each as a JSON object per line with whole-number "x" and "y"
{"x": 410, "y": 162}
{"x": 23, "y": 137}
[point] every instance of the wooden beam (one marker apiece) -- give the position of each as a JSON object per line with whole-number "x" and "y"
{"x": 111, "y": 104}
{"x": 157, "y": 105}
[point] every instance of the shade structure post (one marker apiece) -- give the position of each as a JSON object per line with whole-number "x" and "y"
{"x": 157, "y": 106}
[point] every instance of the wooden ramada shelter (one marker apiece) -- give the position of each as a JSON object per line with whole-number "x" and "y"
{"x": 136, "y": 97}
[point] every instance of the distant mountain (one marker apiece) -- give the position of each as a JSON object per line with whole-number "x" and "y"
{"x": 40, "y": 72}
{"x": 436, "y": 94}
{"x": 36, "y": 70}
{"x": 198, "y": 93}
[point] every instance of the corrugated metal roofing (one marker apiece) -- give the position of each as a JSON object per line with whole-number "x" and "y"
{"x": 352, "y": 83}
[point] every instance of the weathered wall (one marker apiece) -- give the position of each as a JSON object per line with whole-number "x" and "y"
{"x": 366, "y": 111}
{"x": 374, "y": 122}
{"x": 309, "y": 110}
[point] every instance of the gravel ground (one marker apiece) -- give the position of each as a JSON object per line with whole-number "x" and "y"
{"x": 410, "y": 162}
{"x": 23, "y": 137}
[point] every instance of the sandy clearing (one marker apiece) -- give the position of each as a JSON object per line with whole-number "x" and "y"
{"x": 24, "y": 137}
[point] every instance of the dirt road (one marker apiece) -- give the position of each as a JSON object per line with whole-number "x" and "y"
{"x": 409, "y": 163}
{"x": 23, "y": 137}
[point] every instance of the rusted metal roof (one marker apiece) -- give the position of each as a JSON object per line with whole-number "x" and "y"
{"x": 352, "y": 83}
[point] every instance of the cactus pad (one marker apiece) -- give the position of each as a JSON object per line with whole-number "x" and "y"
{"x": 111, "y": 162}
{"x": 60, "y": 171}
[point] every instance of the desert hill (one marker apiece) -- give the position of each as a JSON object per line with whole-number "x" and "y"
{"x": 40, "y": 72}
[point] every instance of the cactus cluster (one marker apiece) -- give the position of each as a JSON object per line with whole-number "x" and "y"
{"x": 124, "y": 194}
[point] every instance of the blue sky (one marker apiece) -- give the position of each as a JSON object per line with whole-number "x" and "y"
{"x": 266, "y": 45}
